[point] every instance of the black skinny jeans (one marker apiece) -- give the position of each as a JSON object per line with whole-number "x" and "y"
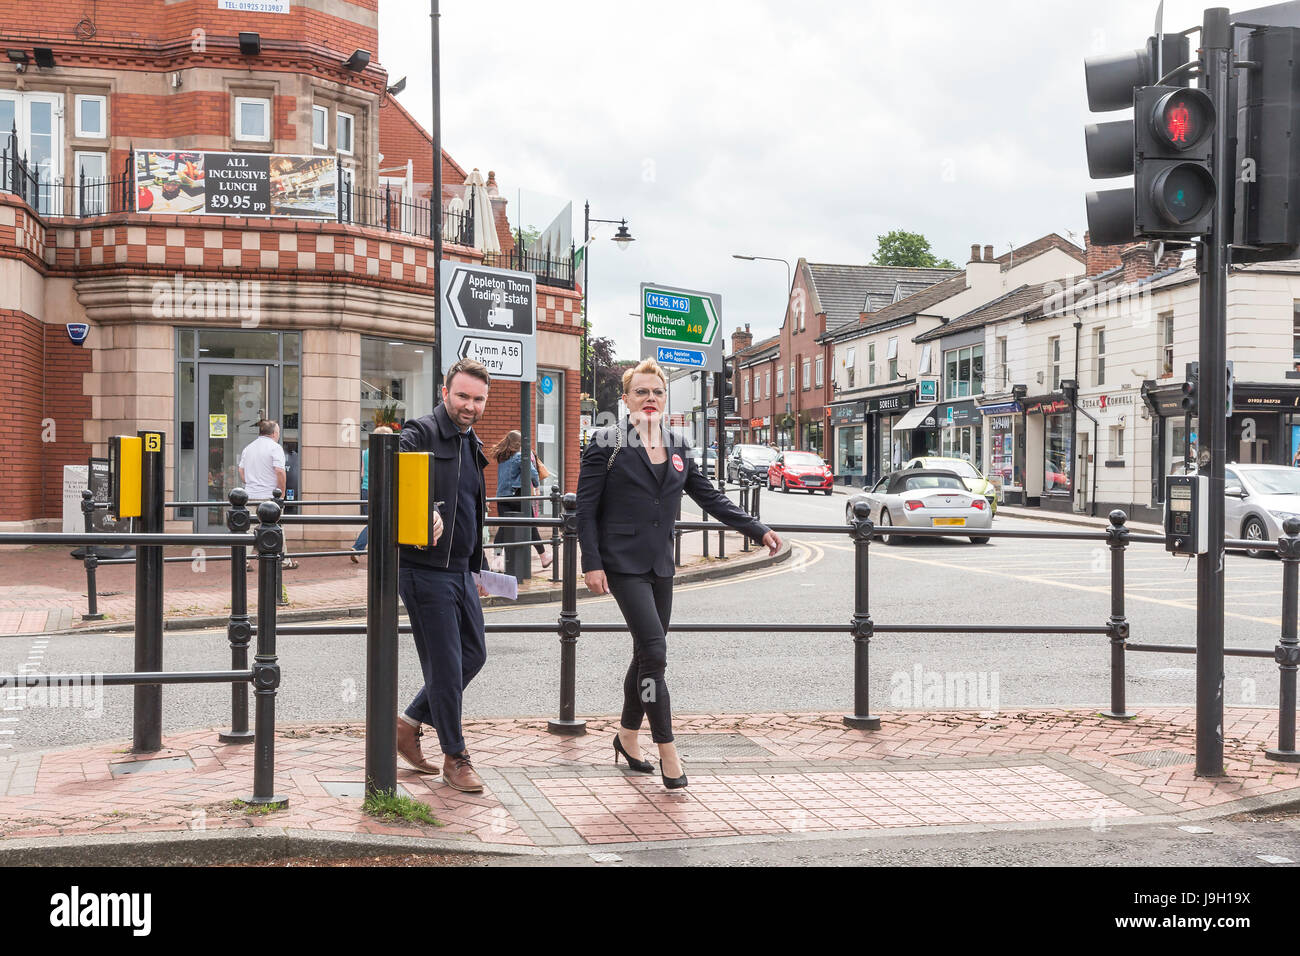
{"x": 646, "y": 601}
{"x": 513, "y": 509}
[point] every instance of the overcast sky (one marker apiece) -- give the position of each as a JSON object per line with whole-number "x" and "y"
{"x": 774, "y": 129}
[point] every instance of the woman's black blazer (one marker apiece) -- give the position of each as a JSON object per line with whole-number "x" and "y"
{"x": 626, "y": 516}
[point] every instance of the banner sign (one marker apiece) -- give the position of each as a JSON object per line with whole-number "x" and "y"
{"x": 188, "y": 182}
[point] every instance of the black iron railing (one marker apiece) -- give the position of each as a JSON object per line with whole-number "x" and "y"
{"x": 550, "y": 270}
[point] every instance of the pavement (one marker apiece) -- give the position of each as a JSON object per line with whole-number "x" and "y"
{"x": 43, "y": 590}
{"x": 753, "y": 777}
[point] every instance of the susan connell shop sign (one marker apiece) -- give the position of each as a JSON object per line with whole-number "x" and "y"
{"x": 182, "y": 182}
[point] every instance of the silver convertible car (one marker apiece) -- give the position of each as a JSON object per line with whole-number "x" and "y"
{"x": 927, "y": 498}
{"x": 1257, "y": 499}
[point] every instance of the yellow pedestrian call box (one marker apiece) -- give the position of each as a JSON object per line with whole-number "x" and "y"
{"x": 126, "y": 466}
{"x": 415, "y": 499}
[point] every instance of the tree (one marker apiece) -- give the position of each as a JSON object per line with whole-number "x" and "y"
{"x": 607, "y": 372}
{"x": 901, "y": 248}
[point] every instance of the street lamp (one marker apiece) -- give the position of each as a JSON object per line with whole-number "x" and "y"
{"x": 623, "y": 238}
{"x": 789, "y": 281}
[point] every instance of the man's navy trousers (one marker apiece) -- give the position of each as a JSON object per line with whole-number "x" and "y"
{"x": 447, "y": 623}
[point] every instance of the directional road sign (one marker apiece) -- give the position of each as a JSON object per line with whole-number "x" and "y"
{"x": 490, "y": 315}
{"x": 681, "y": 327}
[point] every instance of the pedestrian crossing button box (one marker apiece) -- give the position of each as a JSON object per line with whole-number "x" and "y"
{"x": 1187, "y": 521}
{"x": 415, "y": 499}
{"x": 125, "y": 467}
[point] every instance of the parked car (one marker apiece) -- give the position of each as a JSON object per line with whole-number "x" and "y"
{"x": 969, "y": 474}
{"x": 750, "y": 462}
{"x": 706, "y": 460}
{"x": 1257, "y": 499}
{"x": 924, "y": 498}
{"x": 800, "y": 470}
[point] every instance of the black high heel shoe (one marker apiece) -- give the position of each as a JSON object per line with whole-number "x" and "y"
{"x": 674, "y": 783}
{"x": 640, "y": 766}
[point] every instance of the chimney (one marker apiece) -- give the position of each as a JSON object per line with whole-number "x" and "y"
{"x": 982, "y": 273}
{"x": 741, "y": 339}
{"x": 1137, "y": 262}
{"x": 1099, "y": 259}
{"x": 988, "y": 253}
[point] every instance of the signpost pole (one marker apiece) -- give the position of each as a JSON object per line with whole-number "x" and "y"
{"x": 435, "y": 201}
{"x": 519, "y": 559}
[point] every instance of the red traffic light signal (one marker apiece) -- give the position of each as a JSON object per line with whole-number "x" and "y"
{"x": 1182, "y": 119}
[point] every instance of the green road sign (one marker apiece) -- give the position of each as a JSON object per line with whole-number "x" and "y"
{"x": 670, "y": 315}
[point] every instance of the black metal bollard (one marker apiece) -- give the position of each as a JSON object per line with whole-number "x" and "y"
{"x": 266, "y": 669}
{"x": 570, "y": 627}
{"x": 147, "y": 719}
{"x": 862, "y": 718}
{"x": 91, "y": 559}
{"x": 238, "y": 631}
{"x": 1287, "y": 653}
{"x": 381, "y": 618}
{"x": 1117, "y": 536}
{"x": 281, "y": 595}
{"x": 704, "y": 535}
{"x": 758, "y": 488}
{"x": 556, "y": 512}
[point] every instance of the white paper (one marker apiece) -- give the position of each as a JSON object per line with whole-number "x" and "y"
{"x": 498, "y": 585}
{"x": 545, "y": 434}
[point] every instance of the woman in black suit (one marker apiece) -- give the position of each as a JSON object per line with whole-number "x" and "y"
{"x": 632, "y": 478}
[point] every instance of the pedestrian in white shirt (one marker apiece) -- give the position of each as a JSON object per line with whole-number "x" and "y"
{"x": 262, "y": 469}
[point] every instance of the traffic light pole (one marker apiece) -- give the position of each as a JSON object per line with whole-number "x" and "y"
{"x": 1212, "y": 264}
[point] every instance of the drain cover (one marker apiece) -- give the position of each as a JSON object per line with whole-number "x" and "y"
{"x": 353, "y": 788}
{"x": 720, "y": 747}
{"x": 149, "y": 766}
{"x": 1158, "y": 758}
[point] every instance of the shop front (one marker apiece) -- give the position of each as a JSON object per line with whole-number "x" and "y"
{"x": 847, "y": 426}
{"x": 1264, "y": 428}
{"x": 760, "y": 431}
{"x": 961, "y": 432}
{"x": 1006, "y": 445}
{"x": 1050, "y": 472}
{"x": 886, "y": 448}
{"x": 915, "y": 433}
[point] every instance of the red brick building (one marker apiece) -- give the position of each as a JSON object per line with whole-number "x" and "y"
{"x": 784, "y": 384}
{"x": 200, "y": 323}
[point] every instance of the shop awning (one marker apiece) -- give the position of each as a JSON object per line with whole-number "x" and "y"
{"x": 914, "y": 418}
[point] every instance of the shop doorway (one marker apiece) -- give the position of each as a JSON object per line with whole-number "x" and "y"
{"x": 1081, "y": 474}
{"x": 232, "y": 400}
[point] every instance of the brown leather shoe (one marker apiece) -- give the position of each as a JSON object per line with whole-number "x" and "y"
{"x": 459, "y": 773}
{"x": 408, "y": 748}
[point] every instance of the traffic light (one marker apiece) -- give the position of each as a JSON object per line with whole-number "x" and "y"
{"x": 1192, "y": 390}
{"x": 1268, "y": 180}
{"x": 1173, "y": 181}
{"x": 1133, "y": 146}
{"x": 728, "y": 400}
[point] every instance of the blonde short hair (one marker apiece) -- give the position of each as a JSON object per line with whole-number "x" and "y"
{"x": 644, "y": 367}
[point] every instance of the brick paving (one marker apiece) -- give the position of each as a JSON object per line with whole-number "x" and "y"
{"x": 772, "y": 775}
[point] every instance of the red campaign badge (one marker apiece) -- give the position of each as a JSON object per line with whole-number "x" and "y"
{"x": 677, "y": 462}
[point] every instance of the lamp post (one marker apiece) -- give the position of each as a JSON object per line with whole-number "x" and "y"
{"x": 622, "y": 237}
{"x": 789, "y": 275}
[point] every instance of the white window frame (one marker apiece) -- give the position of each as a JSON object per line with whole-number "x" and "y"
{"x": 893, "y": 348}
{"x": 100, "y": 194}
{"x": 339, "y": 117}
{"x": 1116, "y": 442}
{"x": 1054, "y": 360}
{"x": 780, "y": 381}
{"x": 82, "y": 132}
{"x": 746, "y": 387}
{"x": 240, "y": 102}
{"x": 1099, "y": 356}
{"x": 807, "y": 374}
{"x": 821, "y": 371}
{"x": 923, "y": 366}
{"x": 1004, "y": 367}
{"x": 1166, "y": 354}
{"x": 325, "y": 126}
{"x": 767, "y": 383}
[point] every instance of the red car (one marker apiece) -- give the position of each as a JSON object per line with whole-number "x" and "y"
{"x": 802, "y": 470}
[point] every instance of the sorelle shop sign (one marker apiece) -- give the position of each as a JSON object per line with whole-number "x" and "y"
{"x": 181, "y": 182}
